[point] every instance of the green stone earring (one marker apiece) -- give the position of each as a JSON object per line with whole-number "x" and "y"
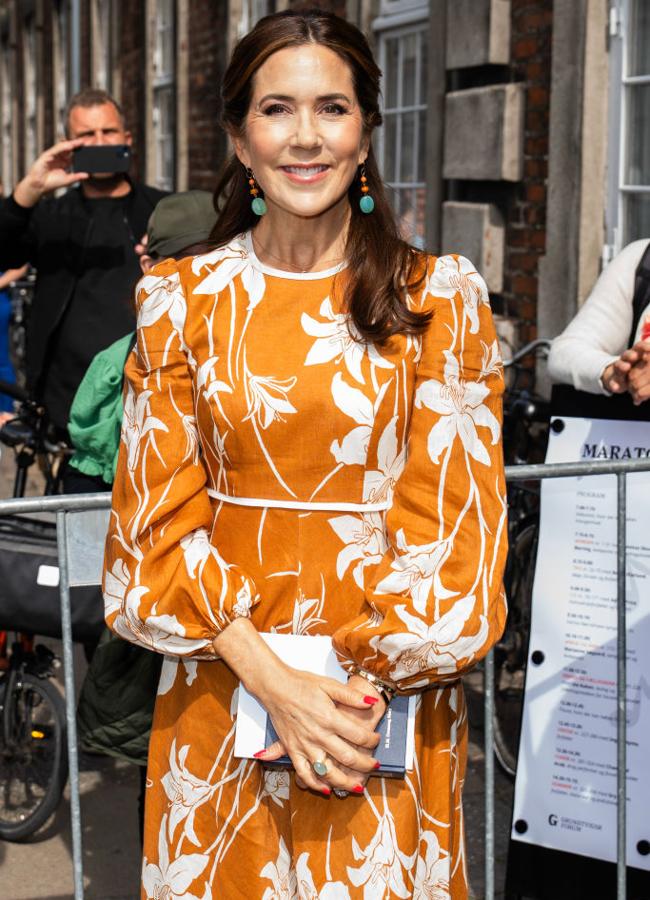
{"x": 258, "y": 205}
{"x": 366, "y": 203}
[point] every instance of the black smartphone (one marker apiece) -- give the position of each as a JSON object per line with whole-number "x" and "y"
{"x": 102, "y": 158}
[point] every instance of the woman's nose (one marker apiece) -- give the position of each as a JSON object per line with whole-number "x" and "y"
{"x": 306, "y": 134}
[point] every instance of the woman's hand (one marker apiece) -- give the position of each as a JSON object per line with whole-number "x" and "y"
{"x": 630, "y": 372}
{"x": 314, "y": 718}
{"x": 311, "y": 714}
{"x": 638, "y": 379}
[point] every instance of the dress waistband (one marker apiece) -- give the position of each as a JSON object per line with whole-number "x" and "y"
{"x": 300, "y": 504}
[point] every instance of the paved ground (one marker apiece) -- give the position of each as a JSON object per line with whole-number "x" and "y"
{"x": 40, "y": 869}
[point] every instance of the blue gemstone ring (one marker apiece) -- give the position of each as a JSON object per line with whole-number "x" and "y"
{"x": 320, "y": 768}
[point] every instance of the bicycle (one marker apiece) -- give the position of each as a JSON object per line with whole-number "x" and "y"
{"x": 33, "y": 757}
{"x": 525, "y": 431}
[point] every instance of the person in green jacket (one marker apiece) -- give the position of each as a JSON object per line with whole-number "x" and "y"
{"x": 118, "y": 694}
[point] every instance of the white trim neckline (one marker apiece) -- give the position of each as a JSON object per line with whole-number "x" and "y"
{"x": 281, "y": 273}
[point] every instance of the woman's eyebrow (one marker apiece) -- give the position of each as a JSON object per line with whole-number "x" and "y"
{"x": 288, "y": 99}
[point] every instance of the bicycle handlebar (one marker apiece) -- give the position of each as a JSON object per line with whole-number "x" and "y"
{"x": 526, "y": 350}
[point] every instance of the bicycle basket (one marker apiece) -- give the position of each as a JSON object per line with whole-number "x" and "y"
{"x": 29, "y": 575}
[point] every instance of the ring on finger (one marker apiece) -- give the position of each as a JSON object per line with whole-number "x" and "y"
{"x": 320, "y": 767}
{"x": 341, "y": 794}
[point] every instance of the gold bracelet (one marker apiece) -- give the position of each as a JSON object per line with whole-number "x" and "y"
{"x": 387, "y": 691}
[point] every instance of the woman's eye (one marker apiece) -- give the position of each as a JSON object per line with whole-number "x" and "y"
{"x": 334, "y": 109}
{"x": 274, "y": 109}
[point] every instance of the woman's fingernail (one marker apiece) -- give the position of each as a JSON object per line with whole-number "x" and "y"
{"x": 259, "y": 753}
{"x": 377, "y": 764}
{"x": 326, "y": 791}
{"x": 358, "y": 789}
{"x": 370, "y": 700}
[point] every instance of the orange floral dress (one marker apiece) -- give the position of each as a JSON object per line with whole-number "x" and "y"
{"x": 274, "y": 466}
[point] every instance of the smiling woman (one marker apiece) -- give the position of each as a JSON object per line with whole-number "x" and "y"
{"x": 313, "y": 447}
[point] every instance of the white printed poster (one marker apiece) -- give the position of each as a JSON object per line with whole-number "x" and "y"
{"x": 565, "y": 791}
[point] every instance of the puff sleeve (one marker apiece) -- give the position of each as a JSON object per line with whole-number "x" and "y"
{"x": 435, "y": 601}
{"x": 166, "y": 586}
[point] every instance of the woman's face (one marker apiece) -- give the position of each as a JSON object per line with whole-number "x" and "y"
{"x": 303, "y": 137}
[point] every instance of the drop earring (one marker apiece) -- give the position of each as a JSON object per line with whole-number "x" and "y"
{"x": 366, "y": 203}
{"x": 258, "y": 205}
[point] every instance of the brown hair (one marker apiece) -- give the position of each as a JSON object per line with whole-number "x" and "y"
{"x": 90, "y": 97}
{"x": 382, "y": 267}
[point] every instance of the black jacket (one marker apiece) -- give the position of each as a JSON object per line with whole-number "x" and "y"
{"x": 54, "y": 236}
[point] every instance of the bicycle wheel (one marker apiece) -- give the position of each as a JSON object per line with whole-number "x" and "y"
{"x": 511, "y": 652}
{"x": 34, "y": 762}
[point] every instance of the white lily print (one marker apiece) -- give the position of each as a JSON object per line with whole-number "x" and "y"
{"x": 353, "y": 449}
{"x": 432, "y": 871}
{"x": 228, "y": 262}
{"x": 164, "y": 295}
{"x": 163, "y": 633}
{"x": 337, "y": 339}
{"x": 365, "y": 543}
{"x": 332, "y": 890}
{"x": 378, "y": 485}
{"x": 185, "y": 792}
{"x": 459, "y": 404}
{"x": 381, "y": 871}
{"x": 207, "y": 381}
{"x": 116, "y": 583}
{"x": 416, "y": 571}
{"x": 243, "y": 600}
{"x": 136, "y": 424}
{"x": 491, "y": 364}
{"x": 306, "y": 614}
{"x": 268, "y": 399}
{"x": 453, "y": 276}
{"x": 438, "y": 647}
{"x": 276, "y": 786}
{"x": 168, "y": 881}
{"x": 282, "y": 875}
{"x": 169, "y": 670}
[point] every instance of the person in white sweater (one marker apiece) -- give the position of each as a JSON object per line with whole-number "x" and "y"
{"x": 592, "y": 352}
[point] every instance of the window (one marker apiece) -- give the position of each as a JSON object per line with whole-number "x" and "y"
{"x": 164, "y": 94}
{"x": 102, "y": 44}
{"x": 7, "y": 118}
{"x": 401, "y": 147}
{"x": 61, "y": 60}
{"x": 30, "y": 98}
{"x": 628, "y": 216}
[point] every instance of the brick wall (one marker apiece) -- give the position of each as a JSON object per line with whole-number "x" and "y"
{"x": 207, "y": 145}
{"x": 132, "y": 64}
{"x": 526, "y": 209}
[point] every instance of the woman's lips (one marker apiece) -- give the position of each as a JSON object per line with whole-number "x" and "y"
{"x": 305, "y": 174}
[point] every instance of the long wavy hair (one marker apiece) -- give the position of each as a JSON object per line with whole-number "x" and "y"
{"x": 382, "y": 267}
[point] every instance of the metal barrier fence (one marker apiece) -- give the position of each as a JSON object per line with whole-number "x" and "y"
{"x": 80, "y": 550}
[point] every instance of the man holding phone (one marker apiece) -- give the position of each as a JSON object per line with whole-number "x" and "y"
{"x": 84, "y": 245}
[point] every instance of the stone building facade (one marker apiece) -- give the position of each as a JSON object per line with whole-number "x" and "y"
{"x": 516, "y": 131}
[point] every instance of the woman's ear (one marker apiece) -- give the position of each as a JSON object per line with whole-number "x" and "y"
{"x": 241, "y": 151}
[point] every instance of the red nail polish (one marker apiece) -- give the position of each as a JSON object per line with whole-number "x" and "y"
{"x": 358, "y": 789}
{"x": 370, "y": 700}
{"x": 377, "y": 764}
{"x": 326, "y": 791}
{"x": 259, "y": 753}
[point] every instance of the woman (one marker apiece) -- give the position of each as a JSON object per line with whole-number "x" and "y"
{"x": 605, "y": 348}
{"x": 263, "y": 484}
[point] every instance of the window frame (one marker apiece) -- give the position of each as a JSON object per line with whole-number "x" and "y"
{"x": 162, "y": 88}
{"x": 399, "y": 19}
{"x": 618, "y": 190}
